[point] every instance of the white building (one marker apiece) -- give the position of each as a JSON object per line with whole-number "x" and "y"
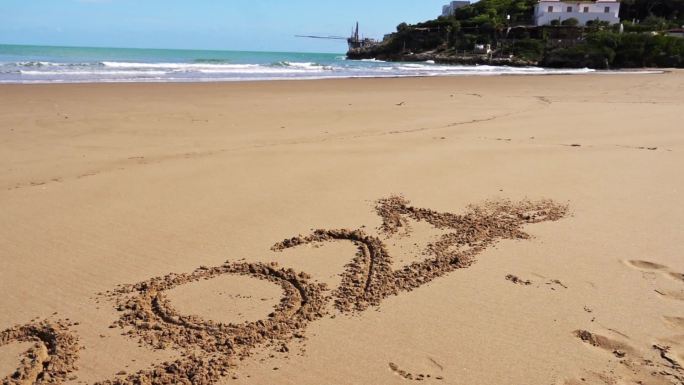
{"x": 677, "y": 32}
{"x": 449, "y": 9}
{"x": 604, "y": 10}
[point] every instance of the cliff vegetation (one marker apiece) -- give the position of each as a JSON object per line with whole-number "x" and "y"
{"x": 502, "y": 32}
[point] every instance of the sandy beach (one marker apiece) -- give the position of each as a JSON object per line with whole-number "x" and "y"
{"x": 461, "y": 230}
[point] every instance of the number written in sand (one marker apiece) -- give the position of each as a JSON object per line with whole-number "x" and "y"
{"x": 211, "y": 350}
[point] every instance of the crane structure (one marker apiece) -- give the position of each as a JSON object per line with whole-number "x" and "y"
{"x": 354, "y": 41}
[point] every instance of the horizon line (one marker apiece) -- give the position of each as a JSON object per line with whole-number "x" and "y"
{"x": 164, "y": 49}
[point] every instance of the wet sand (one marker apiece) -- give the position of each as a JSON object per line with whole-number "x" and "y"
{"x": 372, "y": 231}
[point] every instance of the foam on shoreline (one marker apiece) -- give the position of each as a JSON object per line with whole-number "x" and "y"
{"x": 20, "y": 72}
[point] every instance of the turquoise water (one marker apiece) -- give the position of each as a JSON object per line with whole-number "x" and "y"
{"x": 84, "y": 54}
{"x": 42, "y": 64}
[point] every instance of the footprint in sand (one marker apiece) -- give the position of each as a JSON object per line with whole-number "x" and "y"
{"x": 656, "y": 268}
{"x": 659, "y": 365}
{"x": 678, "y": 295}
{"x": 645, "y": 265}
{"x": 649, "y": 364}
{"x": 676, "y": 276}
{"x": 674, "y": 322}
{"x": 617, "y": 348}
{"x": 412, "y": 376}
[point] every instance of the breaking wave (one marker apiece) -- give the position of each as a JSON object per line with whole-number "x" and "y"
{"x": 210, "y": 69}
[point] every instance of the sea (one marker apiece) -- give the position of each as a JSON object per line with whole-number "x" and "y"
{"x": 48, "y": 64}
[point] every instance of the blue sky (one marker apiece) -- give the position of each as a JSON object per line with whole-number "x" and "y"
{"x": 260, "y": 25}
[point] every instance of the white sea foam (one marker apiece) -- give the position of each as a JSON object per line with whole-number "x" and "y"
{"x": 48, "y": 71}
{"x": 177, "y": 66}
{"x": 436, "y": 70}
{"x": 211, "y": 68}
{"x": 45, "y": 64}
{"x": 86, "y": 73}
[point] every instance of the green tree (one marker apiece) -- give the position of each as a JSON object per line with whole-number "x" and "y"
{"x": 571, "y": 22}
{"x": 656, "y": 23}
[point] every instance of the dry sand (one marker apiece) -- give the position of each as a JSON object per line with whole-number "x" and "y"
{"x": 503, "y": 230}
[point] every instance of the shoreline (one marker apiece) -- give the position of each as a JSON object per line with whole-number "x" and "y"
{"x": 44, "y": 65}
{"x": 559, "y": 72}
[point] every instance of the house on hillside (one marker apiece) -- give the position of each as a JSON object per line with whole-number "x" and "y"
{"x": 584, "y": 11}
{"x": 449, "y": 9}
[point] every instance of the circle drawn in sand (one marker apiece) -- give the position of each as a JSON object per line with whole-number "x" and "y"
{"x": 208, "y": 347}
{"x": 227, "y": 298}
{"x": 51, "y": 359}
{"x": 159, "y": 325}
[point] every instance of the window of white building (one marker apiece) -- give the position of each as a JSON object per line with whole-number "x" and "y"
{"x": 606, "y": 10}
{"x": 550, "y": 9}
{"x": 569, "y": 9}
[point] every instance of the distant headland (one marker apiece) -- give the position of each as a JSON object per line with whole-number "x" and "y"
{"x": 602, "y": 34}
